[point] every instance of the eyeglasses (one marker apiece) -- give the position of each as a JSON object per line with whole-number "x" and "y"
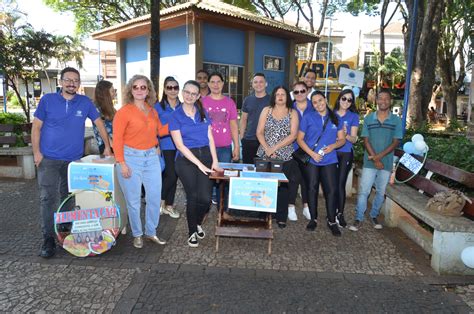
{"x": 175, "y": 87}
{"x": 139, "y": 87}
{"x": 188, "y": 93}
{"x": 349, "y": 100}
{"x": 68, "y": 81}
{"x": 297, "y": 92}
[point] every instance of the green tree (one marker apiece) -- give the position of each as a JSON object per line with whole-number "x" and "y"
{"x": 92, "y": 15}
{"x": 456, "y": 24}
{"x": 24, "y": 52}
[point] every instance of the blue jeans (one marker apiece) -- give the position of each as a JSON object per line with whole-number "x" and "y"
{"x": 146, "y": 169}
{"x": 371, "y": 177}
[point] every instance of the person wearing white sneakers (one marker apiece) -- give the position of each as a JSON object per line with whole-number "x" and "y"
{"x": 382, "y": 132}
{"x": 190, "y": 128}
{"x": 302, "y": 106}
{"x": 168, "y": 104}
{"x": 346, "y": 112}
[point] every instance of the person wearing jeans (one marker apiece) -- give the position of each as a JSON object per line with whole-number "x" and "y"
{"x": 190, "y": 129}
{"x": 136, "y": 131}
{"x": 57, "y": 137}
{"x": 382, "y": 132}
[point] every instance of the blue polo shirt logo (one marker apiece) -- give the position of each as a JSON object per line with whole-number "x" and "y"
{"x": 79, "y": 113}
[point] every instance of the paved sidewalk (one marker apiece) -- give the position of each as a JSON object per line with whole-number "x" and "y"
{"x": 366, "y": 271}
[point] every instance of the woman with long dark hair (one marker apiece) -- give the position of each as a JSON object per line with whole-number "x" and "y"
{"x": 320, "y": 134}
{"x": 190, "y": 129}
{"x": 104, "y": 96}
{"x": 168, "y": 104}
{"x": 347, "y": 115}
{"x": 276, "y": 132}
{"x": 136, "y": 131}
{"x": 302, "y": 106}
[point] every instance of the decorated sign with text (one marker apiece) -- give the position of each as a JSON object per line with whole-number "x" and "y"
{"x": 253, "y": 194}
{"x": 90, "y": 176}
{"x": 81, "y": 231}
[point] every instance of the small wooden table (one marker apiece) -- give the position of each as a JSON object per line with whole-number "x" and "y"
{"x": 240, "y": 227}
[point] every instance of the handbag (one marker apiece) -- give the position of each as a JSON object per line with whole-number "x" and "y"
{"x": 303, "y": 157}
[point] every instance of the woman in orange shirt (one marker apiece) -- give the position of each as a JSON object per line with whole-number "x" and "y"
{"x": 136, "y": 130}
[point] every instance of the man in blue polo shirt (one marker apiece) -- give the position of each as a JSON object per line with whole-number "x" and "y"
{"x": 382, "y": 132}
{"x": 57, "y": 137}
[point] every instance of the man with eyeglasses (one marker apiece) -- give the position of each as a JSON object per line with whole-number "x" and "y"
{"x": 251, "y": 109}
{"x": 57, "y": 137}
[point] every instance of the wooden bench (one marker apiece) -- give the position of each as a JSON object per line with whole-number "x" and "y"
{"x": 444, "y": 238}
{"x": 16, "y": 162}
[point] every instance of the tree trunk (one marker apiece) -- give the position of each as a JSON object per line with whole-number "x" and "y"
{"x": 155, "y": 44}
{"x": 450, "y": 94}
{"x": 423, "y": 73}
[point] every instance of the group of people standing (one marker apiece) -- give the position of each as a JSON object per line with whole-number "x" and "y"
{"x": 195, "y": 134}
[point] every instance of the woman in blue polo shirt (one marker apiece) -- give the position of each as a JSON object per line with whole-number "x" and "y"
{"x": 320, "y": 135}
{"x": 348, "y": 117}
{"x": 168, "y": 104}
{"x": 190, "y": 129}
{"x": 302, "y": 106}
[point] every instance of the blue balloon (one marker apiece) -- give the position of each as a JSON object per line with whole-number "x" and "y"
{"x": 356, "y": 91}
{"x": 409, "y": 148}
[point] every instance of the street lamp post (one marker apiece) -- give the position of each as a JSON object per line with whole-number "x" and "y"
{"x": 327, "y": 59}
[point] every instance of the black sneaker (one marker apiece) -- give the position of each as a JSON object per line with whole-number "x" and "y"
{"x": 48, "y": 249}
{"x": 192, "y": 241}
{"x": 376, "y": 223}
{"x": 340, "y": 220}
{"x": 311, "y": 226}
{"x": 334, "y": 229}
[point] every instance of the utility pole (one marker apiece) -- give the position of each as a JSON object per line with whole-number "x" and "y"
{"x": 155, "y": 44}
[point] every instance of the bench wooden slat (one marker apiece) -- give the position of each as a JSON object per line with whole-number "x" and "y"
{"x": 420, "y": 182}
{"x": 242, "y": 232}
{"x": 9, "y": 140}
{"x": 7, "y": 127}
{"x": 27, "y": 139}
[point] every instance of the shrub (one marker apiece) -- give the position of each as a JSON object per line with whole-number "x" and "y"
{"x": 12, "y": 118}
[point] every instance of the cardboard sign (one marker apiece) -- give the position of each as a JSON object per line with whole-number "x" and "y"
{"x": 253, "y": 194}
{"x": 351, "y": 77}
{"x": 411, "y": 163}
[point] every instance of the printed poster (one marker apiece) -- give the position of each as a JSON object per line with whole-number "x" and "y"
{"x": 253, "y": 194}
{"x": 90, "y": 176}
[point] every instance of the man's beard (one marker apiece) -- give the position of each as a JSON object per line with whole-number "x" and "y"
{"x": 68, "y": 92}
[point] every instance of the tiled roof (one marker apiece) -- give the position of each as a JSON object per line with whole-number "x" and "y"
{"x": 213, "y": 6}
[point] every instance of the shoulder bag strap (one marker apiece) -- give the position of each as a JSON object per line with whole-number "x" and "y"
{"x": 319, "y": 137}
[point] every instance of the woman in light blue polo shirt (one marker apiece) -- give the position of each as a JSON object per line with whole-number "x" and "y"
{"x": 320, "y": 135}
{"x": 168, "y": 104}
{"x": 347, "y": 115}
{"x": 190, "y": 129}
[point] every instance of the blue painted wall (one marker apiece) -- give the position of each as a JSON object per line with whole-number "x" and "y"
{"x": 271, "y": 46}
{"x": 174, "y": 42}
{"x": 136, "y": 49}
{"x": 223, "y": 45}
